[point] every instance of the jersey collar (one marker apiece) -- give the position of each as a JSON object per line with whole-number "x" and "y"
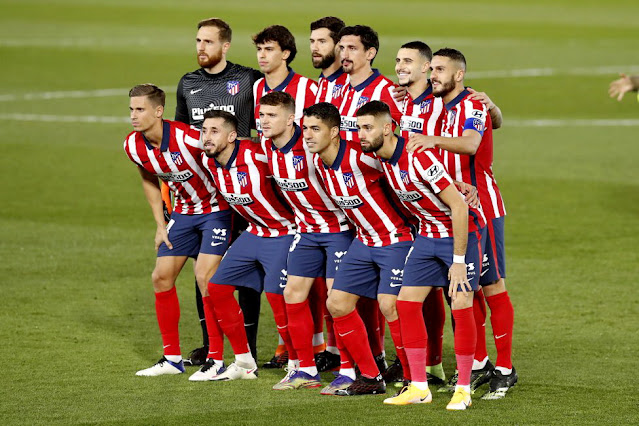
{"x": 399, "y": 150}
{"x": 291, "y": 143}
{"x": 418, "y": 100}
{"x": 340, "y": 156}
{"x": 207, "y": 74}
{"x": 233, "y": 156}
{"x": 283, "y": 84}
{"x": 333, "y": 76}
{"x": 368, "y": 81}
{"x": 166, "y": 137}
{"x": 457, "y": 99}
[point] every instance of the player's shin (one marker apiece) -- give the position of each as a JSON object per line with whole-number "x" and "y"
{"x": 465, "y": 342}
{"x": 167, "y": 309}
{"x": 434, "y": 314}
{"x": 351, "y": 330}
{"x": 414, "y": 338}
{"x": 479, "y": 311}
{"x": 502, "y": 318}
{"x": 281, "y": 321}
{"x": 214, "y": 331}
{"x": 300, "y": 328}
{"x": 230, "y": 317}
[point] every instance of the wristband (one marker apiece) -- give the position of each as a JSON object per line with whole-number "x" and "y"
{"x": 459, "y": 259}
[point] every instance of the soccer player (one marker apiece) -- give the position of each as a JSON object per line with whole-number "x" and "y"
{"x": 467, "y": 148}
{"x": 276, "y": 50}
{"x": 373, "y": 265}
{"x": 446, "y": 253}
{"x": 200, "y": 223}
{"x": 358, "y": 46}
{"x": 323, "y": 231}
{"x": 240, "y": 171}
{"x": 219, "y": 84}
{"x": 325, "y": 56}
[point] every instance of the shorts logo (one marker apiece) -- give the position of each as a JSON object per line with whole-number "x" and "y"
{"x": 298, "y": 162}
{"x": 177, "y": 158}
{"x": 470, "y": 266}
{"x": 339, "y": 254}
{"x": 220, "y": 232}
{"x": 398, "y": 272}
{"x": 233, "y": 87}
{"x": 404, "y": 175}
{"x": 242, "y": 179}
{"x": 424, "y": 107}
{"x": 284, "y": 272}
{"x": 348, "y": 180}
{"x": 337, "y": 89}
{"x": 362, "y": 100}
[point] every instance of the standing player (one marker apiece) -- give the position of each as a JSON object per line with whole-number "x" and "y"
{"x": 240, "y": 171}
{"x": 467, "y": 148}
{"x": 325, "y": 55}
{"x": 323, "y": 231}
{"x": 275, "y": 51}
{"x": 373, "y": 266}
{"x": 449, "y": 240}
{"x": 199, "y": 223}
{"x": 219, "y": 84}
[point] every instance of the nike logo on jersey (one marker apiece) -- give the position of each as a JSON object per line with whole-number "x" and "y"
{"x": 345, "y": 334}
{"x": 195, "y": 91}
{"x": 500, "y": 336}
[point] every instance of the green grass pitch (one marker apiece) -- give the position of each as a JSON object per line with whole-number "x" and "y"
{"x": 76, "y": 235}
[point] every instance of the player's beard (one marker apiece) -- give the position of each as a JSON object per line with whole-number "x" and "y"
{"x": 324, "y": 61}
{"x": 374, "y": 145}
{"x": 445, "y": 88}
{"x": 211, "y": 60}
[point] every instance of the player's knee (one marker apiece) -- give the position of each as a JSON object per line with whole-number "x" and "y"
{"x": 337, "y": 306}
{"x": 161, "y": 281}
{"x": 494, "y": 288}
{"x": 463, "y": 301}
{"x": 388, "y": 306}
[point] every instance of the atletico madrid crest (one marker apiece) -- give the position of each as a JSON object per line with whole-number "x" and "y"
{"x": 233, "y": 87}
{"x": 242, "y": 179}
{"x": 177, "y": 158}
{"x": 404, "y": 175}
{"x": 349, "y": 180}
{"x": 362, "y": 100}
{"x": 298, "y": 162}
{"x": 425, "y": 106}
{"x": 337, "y": 89}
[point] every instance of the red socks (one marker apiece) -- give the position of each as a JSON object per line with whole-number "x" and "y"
{"x": 479, "y": 310}
{"x": 414, "y": 338}
{"x": 279, "y": 313}
{"x": 229, "y": 316}
{"x": 352, "y": 332}
{"x": 502, "y": 318}
{"x": 167, "y": 309}
{"x": 396, "y": 335}
{"x": 369, "y": 313}
{"x": 434, "y": 317}
{"x": 465, "y": 342}
{"x": 300, "y": 328}
{"x": 216, "y": 336}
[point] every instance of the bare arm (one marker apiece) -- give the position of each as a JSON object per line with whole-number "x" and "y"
{"x": 467, "y": 143}
{"x": 457, "y": 272}
{"x": 153, "y": 195}
{"x": 493, "y": 109}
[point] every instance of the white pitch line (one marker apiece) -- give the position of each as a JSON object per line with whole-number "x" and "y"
{"x": 579, "y": 122}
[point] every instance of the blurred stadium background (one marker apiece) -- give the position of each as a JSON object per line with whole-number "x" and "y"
{"x": 76, "y": 234}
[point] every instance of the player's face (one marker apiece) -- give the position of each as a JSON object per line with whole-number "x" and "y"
{"x": 323, "y": 48}
{"x": 270, "y": 56}
{"x": 410, "y": 66}
{"x": 143, "y": 114}
{"x": 317, "y": 135}
{"x": 444, "y": 74}
{"x": 353, "y": 55}
{"x": 210, "y": 49}
{"x": 371, "y": 133}
{"x": 275, "y": 120}
{"x": 216, "y": 137}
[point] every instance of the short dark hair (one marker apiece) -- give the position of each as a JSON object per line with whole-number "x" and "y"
{"x": 276, "y": 98}
{"x": 223, "y": 27}
{"x": 228, "y": 118}
{"x": 374, "y": 108}
{"x": 421, "y": 47}
{"x": 367, "y": 35}
{"x": 453, "y": 54}
{"x": 151, "y": 91}
{"x": 332, "y": 24}
{"x": 281, "y": 35}
{"x": 326, "y": 112}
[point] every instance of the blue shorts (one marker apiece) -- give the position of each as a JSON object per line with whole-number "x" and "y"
{"x": 255, "y": 262}
{"x": 494, "y": 262}
{"x": 315, "y": 255}
{"x": 367, "y": 271}
{"x": 429, "y": 259}
{"x": 198, "y": 233}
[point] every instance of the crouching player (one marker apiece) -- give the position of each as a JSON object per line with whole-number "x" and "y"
{"x": 446, "y": 253}
{"x": 258, "y": 257}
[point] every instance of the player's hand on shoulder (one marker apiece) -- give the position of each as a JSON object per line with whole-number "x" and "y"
{"x": 471, "y": 196}
{"x": 399, "y": 93}
{"x": 481, "y": 97}
{"x": 419, "y": 143}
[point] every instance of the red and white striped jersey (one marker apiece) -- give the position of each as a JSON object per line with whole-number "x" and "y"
{"x": 356, "y": 182}
{"x": 417, "y": 178}
{"x": 331, "y": 87}
{"x": 294, "y": 172}
{"x": 461, "y": 114}
{"x": 302, "y": 89}
{"x": 246, "y": 184}
{"x": 421, "y": 115}
{"x": 178, "y": 162}
{"x": 374, "y": 88}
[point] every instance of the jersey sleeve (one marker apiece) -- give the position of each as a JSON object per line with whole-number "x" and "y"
{"x": 181, "y": 110}
{"x": 430, "y": 169}
{"x": 476, "y": 115}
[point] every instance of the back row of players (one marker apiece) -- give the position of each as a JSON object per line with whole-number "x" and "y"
{"x": 303, "y": 189}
